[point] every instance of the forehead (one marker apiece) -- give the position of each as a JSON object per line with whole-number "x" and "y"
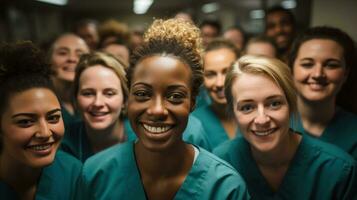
{"x": 99, "y": 74}
{"x": 326, "y": 47}
{"x": 254, "y": 86}
{"x": 70, "y": 41}
{"x": 162, "y": 68}
{"x": 33, "y": 100}
{"x": 278, "y": 16}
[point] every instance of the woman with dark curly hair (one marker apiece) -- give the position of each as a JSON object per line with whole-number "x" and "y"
{"x": 31, "y": 129}
{"x": 164, "y": 79}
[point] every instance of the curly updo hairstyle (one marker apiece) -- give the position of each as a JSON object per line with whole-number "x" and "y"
{"x": 22, "y": 66}
{"x": 172, "y": 37}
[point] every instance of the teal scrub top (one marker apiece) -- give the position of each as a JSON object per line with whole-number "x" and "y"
{"x": 76, "y": 141}
{"x": 68, "y": 118}
{"x": 117, "y": 177}
{"x": 341, "y": 131}
{"x": 193, "y": 134}
{"x": 58, "y": 181}
{"x": 212, "y": 125}
{"x": 318, "y": 171}
{"x": 203, "y": 98}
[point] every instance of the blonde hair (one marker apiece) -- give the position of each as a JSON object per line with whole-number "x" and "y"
{"x": 272, "y": 68}
{"x": 173, "y": 37}
{"x": 105, "y": 60}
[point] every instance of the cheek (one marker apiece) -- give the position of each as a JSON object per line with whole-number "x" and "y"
{"x": 337, "y": 76}
{"x": 58, "y": 129}
{"x": 17, "y": 136}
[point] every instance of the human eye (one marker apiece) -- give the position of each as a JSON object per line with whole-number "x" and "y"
{"x": 110, "y": 93}
{"x": 87, "y": 93}
{"x": 141, "y": 95}
{"x": 245, "y": 108}
{"x": 209, "y": 74}
{"x": 54, "y": 118}
{"x": 275, "y": 104}
{"x": 307, "y": 64}
{"x": 333, "y": 65}
{"x": 25, "y": 122}
{"x": 61, "y": 52}
{"x": 176, "y": 97}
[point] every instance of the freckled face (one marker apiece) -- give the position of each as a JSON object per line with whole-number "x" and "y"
{"x": 262, "y": 112}
{"x": 160, "y": 101}
{"x": 319, "y": 70}
{"x": 31, "y": 128}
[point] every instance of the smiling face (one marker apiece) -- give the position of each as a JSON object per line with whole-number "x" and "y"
{"x": 216, "y": 65}
{"x": 160, "y": 101}
{"x": 31, "y": 128}
{"x": 261, "y": 110}
{"x": 319, "y": 70}
{"x": 100, "y": 97}
{"x": 280, "y": 28}
{"x": 66, "y": 54}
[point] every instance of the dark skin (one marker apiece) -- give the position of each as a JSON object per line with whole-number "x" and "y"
{"x": 160, "y": 98}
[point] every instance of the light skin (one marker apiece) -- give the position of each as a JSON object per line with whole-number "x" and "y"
{"x": 100, "y": 99}
{"x": 208, "y": 34}
{"x": 216, "y": 65}
{"x": 31, "y": 130}
{"x": 158, "y": 107}
{"x": 261, "y": 49}
{"x": 235, "y": 36}
{"x": 280, "y": 28}
{"x": 263, "y": 119}
{"x": 64, "y": 59}
{"x": 319, "y": 72}
{"x": 119, "y": 51}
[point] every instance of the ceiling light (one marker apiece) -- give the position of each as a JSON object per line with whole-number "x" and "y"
{"x": 210, "y": 7}
{"x": 55, "y": 2}
{"x": 142, "y": 6}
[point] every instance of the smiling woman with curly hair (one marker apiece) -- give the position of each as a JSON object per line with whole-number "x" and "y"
{"x": 164, "y": 78}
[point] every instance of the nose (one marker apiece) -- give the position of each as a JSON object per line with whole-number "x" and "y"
{"x": 318, "y": 71}
{"x": 73, "y": 57}
{"x": 43, "y": 131}
{"x": 157, "y": 109}
{"x": 262, "y": 118}
{"x": 99, "y": 100}
{"x": 220, "y": 80}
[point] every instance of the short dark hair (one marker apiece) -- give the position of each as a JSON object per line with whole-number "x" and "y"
{"x": 329, "y": 33}
{"x": 221, "y": 43}
{"x": 211, "y": 22}
{"x": 278, "y": 8}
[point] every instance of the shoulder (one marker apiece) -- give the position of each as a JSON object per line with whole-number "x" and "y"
{"x": 66, "y": 161}
{"x": 222, "y": 180}
{"x": 108, "y": 159}
{"x": 230, "y": 148}
{"x": 327, "y": 153}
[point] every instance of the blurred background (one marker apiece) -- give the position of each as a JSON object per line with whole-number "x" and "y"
{"x": 41, "y": 20}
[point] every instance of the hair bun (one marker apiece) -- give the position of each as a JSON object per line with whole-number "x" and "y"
{"x": 22, "y": 58}
{"x": 175, "y": 29}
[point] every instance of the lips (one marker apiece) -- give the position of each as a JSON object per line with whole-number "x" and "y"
{"x": 265, "y": 132}
{"x": 41, "y": 149}
{"x": 156, "y": 129}
{"x": 317, "y": 86}
{"x": 220, "y": 94}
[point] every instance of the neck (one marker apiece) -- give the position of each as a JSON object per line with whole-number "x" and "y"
{"x": 23, "y": 179}
{"x": 286, "y": 152}
{"x": 102, "y": 139}
{"x": 315, "y": 116}
{"x": 220, "y": 110}
{"x": 63, "y": 90}
{"x": 170, "y": 163}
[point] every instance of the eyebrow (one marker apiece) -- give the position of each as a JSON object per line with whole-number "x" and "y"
{"x": 268, "y": 98}
{"x": 32, "y": 114}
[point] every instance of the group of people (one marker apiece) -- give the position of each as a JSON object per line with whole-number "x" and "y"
{"x": 184, "y": 118}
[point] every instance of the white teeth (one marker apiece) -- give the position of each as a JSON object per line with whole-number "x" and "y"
{"x": 263, "y": 133}
{"x": 98, "y": 113}
{"x": 40, "y": 147}
{"x": 153, "y": 129}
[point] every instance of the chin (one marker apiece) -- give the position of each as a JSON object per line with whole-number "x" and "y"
{"x": 42, "y": 162}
